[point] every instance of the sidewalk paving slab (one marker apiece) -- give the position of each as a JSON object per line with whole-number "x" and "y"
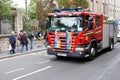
{"x": 6, "y": 53}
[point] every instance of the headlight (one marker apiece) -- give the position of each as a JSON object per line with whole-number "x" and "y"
{"x": 69, "y": 14}
{"x": 80, "y": 49}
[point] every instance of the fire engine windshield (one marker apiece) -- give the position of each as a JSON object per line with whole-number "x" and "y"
{"x": 66, "y": 23}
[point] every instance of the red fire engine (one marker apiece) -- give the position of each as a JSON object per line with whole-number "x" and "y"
{"x": 76, "y": 32}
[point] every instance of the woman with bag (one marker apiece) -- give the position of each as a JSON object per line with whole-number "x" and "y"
{"x": 19, "y": 37}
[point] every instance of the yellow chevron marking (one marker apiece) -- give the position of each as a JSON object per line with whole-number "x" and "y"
{"x": 98, "y": 31}
{"x": 88, "y": 33}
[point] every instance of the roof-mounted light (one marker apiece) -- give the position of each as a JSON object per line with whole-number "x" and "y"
{"x": 55, "y": 15}
{"x": 67, "y": 9}
{"x": 71, "y": 9}
{"x": 56, "y": 10}
{"x": 70, "y": 14}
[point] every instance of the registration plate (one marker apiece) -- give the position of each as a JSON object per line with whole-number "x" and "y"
{"x": 62, "y": 54}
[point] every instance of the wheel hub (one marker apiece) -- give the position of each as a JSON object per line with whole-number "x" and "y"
{"x": 92, "y": 51}
{"x": 111, "y": 46}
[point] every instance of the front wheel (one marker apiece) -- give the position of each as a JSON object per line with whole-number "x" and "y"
{"x": 92, "y": 52}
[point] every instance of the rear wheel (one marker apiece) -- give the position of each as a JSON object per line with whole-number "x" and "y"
{"x": 111, "y": 45}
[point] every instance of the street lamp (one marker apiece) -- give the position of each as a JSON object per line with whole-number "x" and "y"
{"x": 26, "y": 9}
{"x": 114, "y": 8}
{"x": 103, "y": 2}
{"x": 92, "y": 5}
{"x": 56, "y": 4}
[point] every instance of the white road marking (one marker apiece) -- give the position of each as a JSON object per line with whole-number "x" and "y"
{"x": 44, "y": 62}
{"x": 32, "y": 73}
{"x": 14, "y": 70}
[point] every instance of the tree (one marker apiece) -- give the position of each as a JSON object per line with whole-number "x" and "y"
{"x": 82, "y": 3}
{"x": 32, "y": 10}
{"x": 73, "y": 3}
{"x": 5, "y": 6}
{"x": 65, "y": 3}
{"x": 42, "y": 10}
{"x": 31, "y": 15}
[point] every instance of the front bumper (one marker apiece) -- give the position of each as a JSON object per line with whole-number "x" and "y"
{"x": 76, "y": 53}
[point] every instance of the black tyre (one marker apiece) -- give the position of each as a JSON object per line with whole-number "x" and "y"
{"x": 58, "y": 57}
{"x": 92, "y": 52}
{"x": 111, "y": 47}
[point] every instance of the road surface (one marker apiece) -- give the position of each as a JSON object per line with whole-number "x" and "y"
{"x": 40, "y": 66}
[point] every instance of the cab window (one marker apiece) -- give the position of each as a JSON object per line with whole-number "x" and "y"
{"x": 97, "y": 21}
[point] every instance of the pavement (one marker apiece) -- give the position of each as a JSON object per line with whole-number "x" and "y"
{"x": 36, "y": 47}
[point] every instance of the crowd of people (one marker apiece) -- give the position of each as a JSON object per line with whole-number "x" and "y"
{"x": 24, "y": 39}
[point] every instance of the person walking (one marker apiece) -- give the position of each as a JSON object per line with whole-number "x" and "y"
{"x": 19, "y": 37}
{"x": 31, "y": 37}
{"x": 44, "y": 36}
{"x": 24, "y": 41}
{"x": 38, "y": 37}
{"x": 12, "y": 41}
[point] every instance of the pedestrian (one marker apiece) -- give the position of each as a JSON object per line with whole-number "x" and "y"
{"x": 19, "y": 37}
{"x": 36, "y": 34}
{"x": 40, "y": 38}
{"x": 24, "y": 41}
{"x": 31, "y": 37}
{"x": 44, "y": 36}
{"x": 37, "y": 37}
{"x": 12, "y": 41}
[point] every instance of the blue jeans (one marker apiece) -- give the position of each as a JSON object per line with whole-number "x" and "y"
{"x": 23, "y": 47}
{"x": 19, "y": 46}
{"x": 31, "y": 43}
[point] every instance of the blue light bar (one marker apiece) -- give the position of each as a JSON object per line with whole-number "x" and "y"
{"x": 56, "y": 10}
{"x": 67, "y": 9}
{"x": 71, "y": 9}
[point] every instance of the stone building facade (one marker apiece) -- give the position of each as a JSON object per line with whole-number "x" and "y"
{"x": 4, "y": 40}
{"x": 110, "y": 8}
{"x": 12, "y": 22}
{"x": 18, "y": 20}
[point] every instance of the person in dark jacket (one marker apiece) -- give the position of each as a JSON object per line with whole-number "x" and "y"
{"x": 12, "y": 41}
{"x": 24, "y": 41}
{"x": 31, "y": 37}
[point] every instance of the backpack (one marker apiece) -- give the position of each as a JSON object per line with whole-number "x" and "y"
{"x": 19, "y": 37}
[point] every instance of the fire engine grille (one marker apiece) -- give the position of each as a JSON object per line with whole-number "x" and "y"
{"x": 63, "y": 43}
